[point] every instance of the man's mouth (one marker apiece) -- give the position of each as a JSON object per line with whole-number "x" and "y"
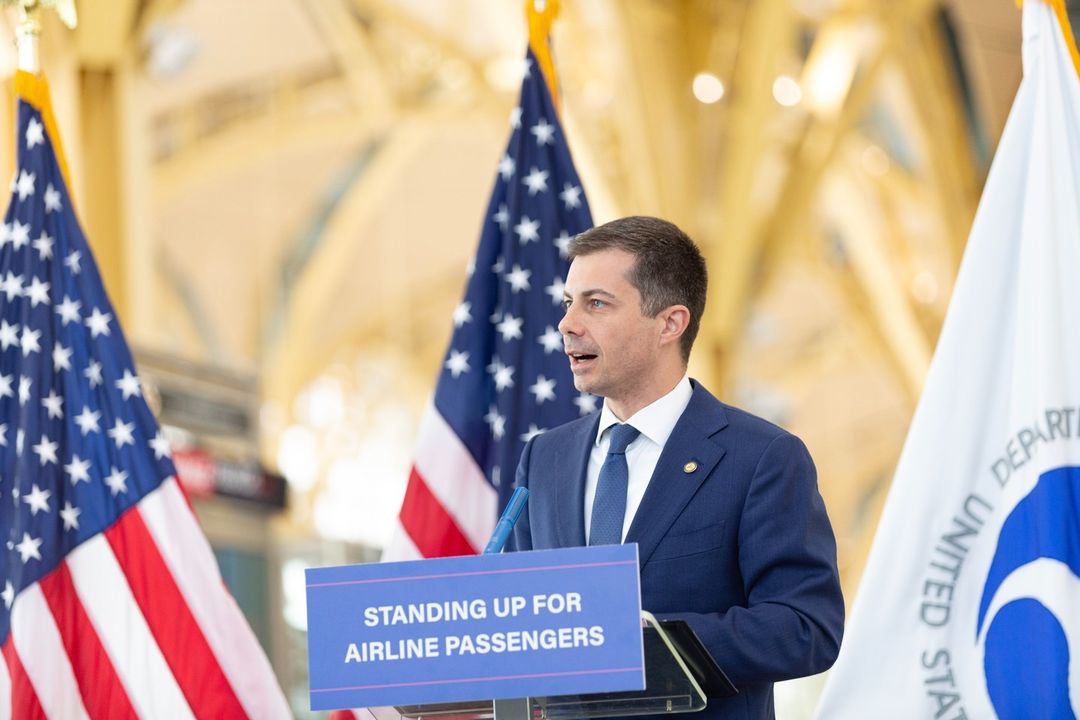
{"x": 580, "y": 360}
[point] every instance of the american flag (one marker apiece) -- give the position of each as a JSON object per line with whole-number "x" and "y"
{"x": 113, "y": 605}
{"x": 505, "y": 377}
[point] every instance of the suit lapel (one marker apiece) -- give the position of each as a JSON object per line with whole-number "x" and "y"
{"x": 570, "y": 470}
{"x": 671, "y": 486}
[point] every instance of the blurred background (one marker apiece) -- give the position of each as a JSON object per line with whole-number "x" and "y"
{"x": 283, "y": 196}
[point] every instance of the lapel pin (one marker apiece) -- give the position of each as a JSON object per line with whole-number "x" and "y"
{"x": 689, "y": 467}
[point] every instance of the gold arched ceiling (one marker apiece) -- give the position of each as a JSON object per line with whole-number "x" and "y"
{"x": 293, "y": 187}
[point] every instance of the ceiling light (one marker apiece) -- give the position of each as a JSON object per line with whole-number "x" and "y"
{"x": 708, "y": 88}
{"x": 786, "y": 91}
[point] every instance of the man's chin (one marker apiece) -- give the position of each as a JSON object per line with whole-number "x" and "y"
{"x": 582, "y": 384}
{"x": 589, "y": 385}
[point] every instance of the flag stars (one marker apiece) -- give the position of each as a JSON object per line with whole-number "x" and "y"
{"x": 527, "y": 230}
{"x": 93, "y": 373}
{"x": 586, "y": 403}
{"x": 3, "y": 435}
{"x": 24, "y": 186}
{"x": 504, "y": 377}
{"x": 563, "y": 244}
{"x": 68, "y": 310}
{"x": 70, "y": 516}
{"x": 29, "y": 341}
{"x": 78, "y": 470}
{"x": 98, "y": 322}
{"x": 551, "y": 340}
{"x": 518, "y": 278}
{"x": 46, "y": 451}
{"x": 462, "y": 314}
{"x": 509, "y": 327}
{"x": 24, "y": 390}
{"x": 129, "y": 385}
{"x": 52, "y": 199}
{"x": 515, "y": 118}
{"x": 37, "y": 499}
{"x": 543, "y": 131}
{"x": 556, "y": 290}
{"x": 507, "y": 166}
{"x": 20, "y": 235}
{"x": 536, "y": 181}
{"x": 121, "y": 433}
{"x": 502, "y": 217}
{"x": 12, "y": 286}
{"x": 571, "y": 196}
{"x": 117, "y": 481}
{"x": 29, "y": 548}
{"x": 543, "y": 389}
{"x": 5, "y": 386}
{"x": 53, "y": 404}
{"x": 457, "y": 363}
{"x": 44, "y": 246}
{"x": 160, "y": 446}
{"x": 532, "y": 432}
{"x": 72, "y": 262}
{"x": 87, "y": 421}
{"x": 38, "y": 292}
{"x": 8, "y": 595}
{"x": 496, "y": 422}
{"x": 61, "y": 357}
{"x": 9, "y": 334}
{"x": 35, "y": 133}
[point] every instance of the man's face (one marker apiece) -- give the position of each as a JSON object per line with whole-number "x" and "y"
{"x": 612, "y": 347}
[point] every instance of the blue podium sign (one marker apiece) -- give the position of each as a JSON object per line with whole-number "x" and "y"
{"x": 547, "y": 622}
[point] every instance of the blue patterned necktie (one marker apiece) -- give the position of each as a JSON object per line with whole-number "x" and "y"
{"x": 609, "y": 505}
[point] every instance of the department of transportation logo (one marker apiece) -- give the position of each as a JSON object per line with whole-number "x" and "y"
{"x": 1028, "y": 624}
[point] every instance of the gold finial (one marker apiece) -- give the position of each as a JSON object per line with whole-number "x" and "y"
{"x": 29, "y": 27}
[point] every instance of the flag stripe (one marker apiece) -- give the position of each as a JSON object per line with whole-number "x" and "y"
{"x": 401, "y": 546}
{"x": 5, "y": 692}
{"x": 102, "y": 692}
{"x": 170, "y": 621}
{"x": 191, "y": 562}
{"x": 100, "y": 582}
{"x": 24, "y": 700}
{"x": 454, "y": 479}
{"x": 430, "y": 527}
{"x": 38, "y": 643}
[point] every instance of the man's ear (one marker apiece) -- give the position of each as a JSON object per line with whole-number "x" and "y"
{"x": 675, "y": 319}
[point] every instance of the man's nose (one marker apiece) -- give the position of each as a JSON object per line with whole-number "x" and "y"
{"x": 569, "y": 324}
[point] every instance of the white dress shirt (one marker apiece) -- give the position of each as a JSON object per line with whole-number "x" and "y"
{"x": 655, "y": 421}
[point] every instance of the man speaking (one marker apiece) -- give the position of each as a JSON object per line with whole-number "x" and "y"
{"x": 732, "y": 533}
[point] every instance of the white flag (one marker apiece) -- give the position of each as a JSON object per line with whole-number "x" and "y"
{"x": 970, "y": 603}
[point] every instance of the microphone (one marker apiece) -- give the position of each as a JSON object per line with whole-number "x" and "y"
{"x": 506, "y": 523}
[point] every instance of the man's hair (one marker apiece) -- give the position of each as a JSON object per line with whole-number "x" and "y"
{"x": 668, "y": 268}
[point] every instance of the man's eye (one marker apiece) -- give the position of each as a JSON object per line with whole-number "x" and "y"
{"x": 597, "y": 303}
{"x": 565, "y": 304}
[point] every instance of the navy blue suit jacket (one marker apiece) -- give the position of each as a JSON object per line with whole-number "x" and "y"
{"x": 741, "y": 547}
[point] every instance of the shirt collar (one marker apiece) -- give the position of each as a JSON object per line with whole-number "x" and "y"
{"x": 657, "y": 419}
